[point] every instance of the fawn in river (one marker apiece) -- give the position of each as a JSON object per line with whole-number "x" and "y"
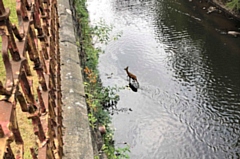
{"x": 130, "y": 75}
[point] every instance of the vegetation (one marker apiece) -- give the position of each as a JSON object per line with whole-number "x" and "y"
{"x": 233, "y": 5}
{"x": 100, "y": 100}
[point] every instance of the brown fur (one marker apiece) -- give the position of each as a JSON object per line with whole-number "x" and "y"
{"x": 130, "y": 75}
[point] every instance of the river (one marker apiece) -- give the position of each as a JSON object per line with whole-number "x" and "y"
{"x": 188, "y": 102}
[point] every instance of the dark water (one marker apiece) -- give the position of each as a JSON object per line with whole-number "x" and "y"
{"x": 188, "y": 103}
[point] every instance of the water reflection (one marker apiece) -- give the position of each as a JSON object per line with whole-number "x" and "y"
{"x": 134, "y": 86}
{"x": 188, "y": 103}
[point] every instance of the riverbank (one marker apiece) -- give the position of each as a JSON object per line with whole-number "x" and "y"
{"x": 87, "y": 121}
{"x": 220, "y": 4}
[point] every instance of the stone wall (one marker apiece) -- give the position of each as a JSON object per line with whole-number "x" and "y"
{"x": 77, "y": 135}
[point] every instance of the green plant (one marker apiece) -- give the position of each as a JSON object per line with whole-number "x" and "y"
{"x": 116, "y": 153}
{"x": 96, "y": 157}
{"x": 92, "y": 120}
{"x": 233, "y": 5}
{"x": 123, "y": 152}
{"x": 101, "y": 32}
{"x": 99, "y": 99}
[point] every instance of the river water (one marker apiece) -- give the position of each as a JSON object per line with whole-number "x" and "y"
{"x": 188, "y": 103}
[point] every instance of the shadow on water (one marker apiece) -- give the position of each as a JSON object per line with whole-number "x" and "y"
{"x": 133, "y": 85}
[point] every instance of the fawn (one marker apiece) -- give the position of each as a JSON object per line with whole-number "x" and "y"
{"x": 130, "y": 75}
